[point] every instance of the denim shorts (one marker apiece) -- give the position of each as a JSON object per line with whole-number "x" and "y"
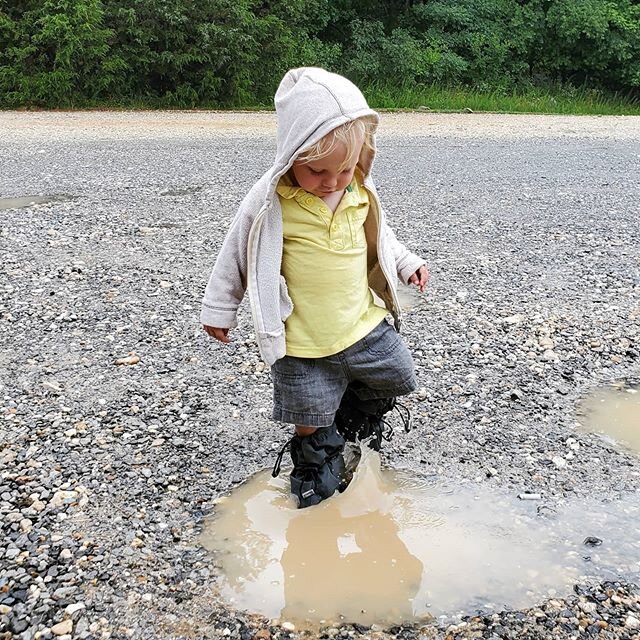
{"x": 307, "y": 391}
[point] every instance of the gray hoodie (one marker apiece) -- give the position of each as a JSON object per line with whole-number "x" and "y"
{"x": 310, "y": 102}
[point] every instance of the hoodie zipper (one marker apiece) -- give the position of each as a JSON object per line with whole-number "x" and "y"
{"x": 255, "y": 227}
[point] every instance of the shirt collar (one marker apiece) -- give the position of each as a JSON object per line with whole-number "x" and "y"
{"x": 354, "y": 194}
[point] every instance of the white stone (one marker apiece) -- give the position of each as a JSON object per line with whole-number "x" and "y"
{"x": 26, "y": 525}
{"x": 632, "y": 622}
{"x": 38, "y": 505}
{"x": 72, "y": 608}
{"x": 60, "y": 497}
{"x": 62, "y": 628}
{"x": 588, "y": 607}
{"x": 515, "y": 319}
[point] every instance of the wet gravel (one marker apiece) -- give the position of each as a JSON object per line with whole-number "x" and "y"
{"x": 122, "y": 422}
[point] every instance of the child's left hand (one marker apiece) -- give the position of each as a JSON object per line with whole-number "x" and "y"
{"x": 420, "y": 278}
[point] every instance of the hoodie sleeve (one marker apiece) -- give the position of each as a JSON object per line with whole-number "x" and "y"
{"x": 228, "y": 280}
{"x": 407, "y": 263}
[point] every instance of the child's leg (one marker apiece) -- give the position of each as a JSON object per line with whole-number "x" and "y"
{"x": 303, "y": 432}
{"x": 382, "y": 369}
{"x": 307, "y": 392}
{"x": 363, "y": 420}
{"x": 318, "y": 465}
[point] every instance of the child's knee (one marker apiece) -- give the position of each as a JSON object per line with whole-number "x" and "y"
{"x": 303, "y": 431}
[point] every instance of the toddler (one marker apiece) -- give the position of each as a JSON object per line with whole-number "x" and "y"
{"x": 311, "y": 246}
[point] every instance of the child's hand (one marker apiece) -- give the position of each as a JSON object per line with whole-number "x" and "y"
{"x": 420, "y": 278}
{"x": 216, "y": 332}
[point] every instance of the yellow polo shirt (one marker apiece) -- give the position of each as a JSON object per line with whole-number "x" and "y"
{"x": 324, "y": 261}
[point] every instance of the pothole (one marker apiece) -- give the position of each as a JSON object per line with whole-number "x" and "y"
{"x": 613, "y": 412}
{"x": 28, "y": 201}
{"x": 396, "y": 547}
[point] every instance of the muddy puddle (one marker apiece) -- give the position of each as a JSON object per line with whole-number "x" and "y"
{"x": 396, "y": 547}
{"x": 28, "y": 201}
{"x": 614, "y": 413}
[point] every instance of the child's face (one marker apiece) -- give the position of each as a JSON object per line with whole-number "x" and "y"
{"x": 324, "y": 176}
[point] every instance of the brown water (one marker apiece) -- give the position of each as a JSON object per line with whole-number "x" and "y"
{"x": 395, "y": 547}
{"x": 614, "y": 412}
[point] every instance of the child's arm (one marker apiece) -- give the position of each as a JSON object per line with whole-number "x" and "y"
{"x": 228, "y": 280}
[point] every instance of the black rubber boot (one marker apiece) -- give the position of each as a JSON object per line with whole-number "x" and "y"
{"x": 318, "y": 465}
{"x": 358, "y": 419}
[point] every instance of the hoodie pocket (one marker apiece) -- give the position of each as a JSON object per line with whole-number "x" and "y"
{"x": 286, "y": 304}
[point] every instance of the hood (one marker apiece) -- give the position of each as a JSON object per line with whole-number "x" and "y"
{"x": 310, "y": 102}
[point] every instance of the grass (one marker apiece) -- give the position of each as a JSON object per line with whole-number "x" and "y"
{"x": 565, "y": 100}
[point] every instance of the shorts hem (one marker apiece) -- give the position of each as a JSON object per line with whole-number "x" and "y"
{"x": 399, "y": 390}
{"x": 304, "y": 419}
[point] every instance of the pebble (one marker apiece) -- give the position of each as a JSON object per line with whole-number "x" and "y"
{"x": 73, "y": 608}
{"x": 592, "y": 541}
{"x": 62, "y": 628}
{"x": 63, "y": 497}
{"x": 588, "y": 607}
{"x": 530, "y": 496}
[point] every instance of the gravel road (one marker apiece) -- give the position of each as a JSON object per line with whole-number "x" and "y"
{"x": 530, "y": 226}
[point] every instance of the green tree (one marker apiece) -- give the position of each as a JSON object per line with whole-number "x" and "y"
{"x": 594, "y": 41}
{"x": 52, "y": 51}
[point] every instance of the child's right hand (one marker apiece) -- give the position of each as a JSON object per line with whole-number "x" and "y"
{"x": 216, "y": 332}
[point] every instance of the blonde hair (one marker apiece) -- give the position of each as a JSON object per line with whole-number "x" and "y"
{"x": 352, "y": 135}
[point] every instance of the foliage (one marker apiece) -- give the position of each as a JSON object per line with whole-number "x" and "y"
{"x": 62, "y": 53}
